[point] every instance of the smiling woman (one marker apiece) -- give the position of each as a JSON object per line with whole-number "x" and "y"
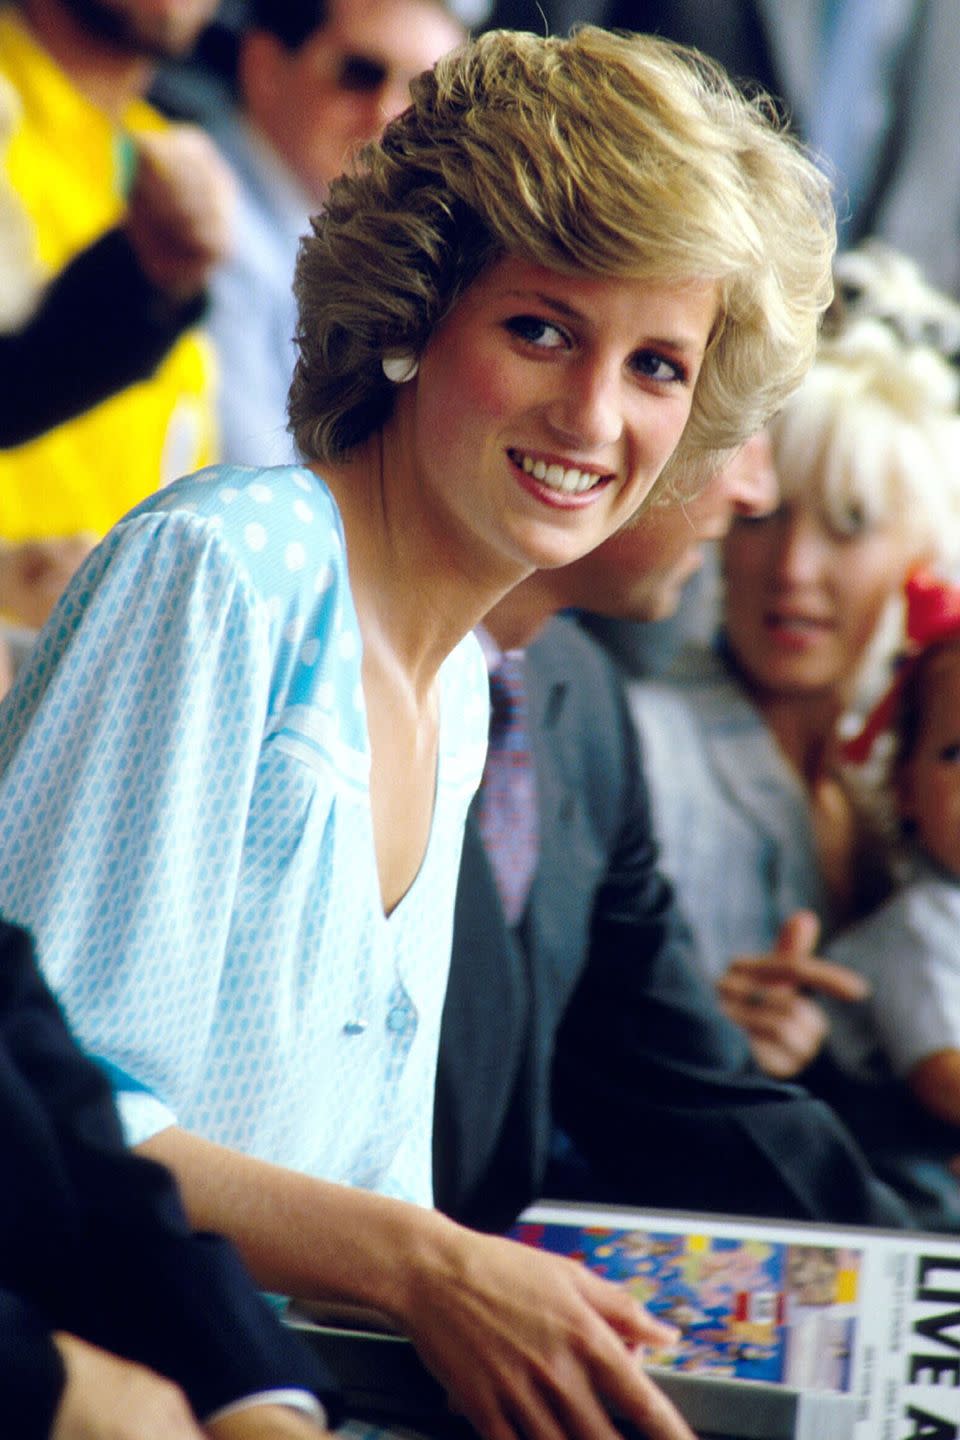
{"x": 237, "y": 769}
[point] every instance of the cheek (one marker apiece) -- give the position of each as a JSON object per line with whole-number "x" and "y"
{"x": 462, "y": 395}
{"x": 866, "y": 584}
{"x": 746, "y": 559}
{"x": 659, "y": 430}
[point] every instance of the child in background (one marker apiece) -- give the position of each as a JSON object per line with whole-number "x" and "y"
{"x": 909, "y": 949}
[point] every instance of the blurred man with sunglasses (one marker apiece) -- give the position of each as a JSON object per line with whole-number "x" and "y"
{"x": 315, "y": 81}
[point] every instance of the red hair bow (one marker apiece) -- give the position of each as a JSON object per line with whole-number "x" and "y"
{"x": 933, "y": 614}
{"x": 933, "y": 609}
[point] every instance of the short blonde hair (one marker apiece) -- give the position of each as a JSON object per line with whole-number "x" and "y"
{"x": 875, "y": 427}
{"x": 600, "y": 153}
{"x": 876, "y": 422}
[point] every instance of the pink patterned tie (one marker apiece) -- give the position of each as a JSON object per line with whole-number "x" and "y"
{"x": 508, "y": 799}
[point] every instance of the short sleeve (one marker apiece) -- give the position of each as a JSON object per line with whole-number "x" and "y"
{"x": 128, "y": 756}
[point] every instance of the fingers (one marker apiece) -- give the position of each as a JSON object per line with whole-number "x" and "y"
{"x": 181, "y": 207}
{"x": 785, "y": 1026}
{"x": 798, "y": 935}
{"x": 536, "y": 1346}
{"x": 792, "y": 963}
{"x": 825, "y": 977}
{"x": 625, "y": 1315}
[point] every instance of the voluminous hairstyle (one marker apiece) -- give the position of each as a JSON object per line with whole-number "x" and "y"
{"x": 601, "y": 154}
{"x": 875, "y": 428}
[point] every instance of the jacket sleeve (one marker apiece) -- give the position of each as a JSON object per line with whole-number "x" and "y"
{"x": 100, "y": 326}
{"x": 103, "y": 1248}
{"x": 31, "y": 1371}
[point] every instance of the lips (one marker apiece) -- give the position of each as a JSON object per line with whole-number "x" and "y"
{"x": 796, "y": 623}
{"x": 566, "y": 479}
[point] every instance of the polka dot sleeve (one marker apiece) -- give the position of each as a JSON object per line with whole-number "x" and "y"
{"x": 129, "y": 755}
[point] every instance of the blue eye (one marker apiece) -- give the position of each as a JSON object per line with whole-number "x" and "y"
{"x": 538, "y": 332}
{"x": 653, "y": 365}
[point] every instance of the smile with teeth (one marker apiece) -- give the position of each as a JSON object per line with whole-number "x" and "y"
{"x": 571, "y": 481}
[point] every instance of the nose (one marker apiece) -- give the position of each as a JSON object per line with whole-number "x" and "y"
{"x": 587, "y": 410}
{"x": 801, "y": 548}
{"x": 751, "y": 480}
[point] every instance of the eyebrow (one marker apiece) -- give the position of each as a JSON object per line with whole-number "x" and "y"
{"x": 683, "y": 345}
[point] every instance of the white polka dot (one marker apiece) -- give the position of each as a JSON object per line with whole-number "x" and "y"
{"x": 324, "y": 579}
{"x": 255, "y": 535}
{"x": 295, "y": 555}
{"x": 215, "y": 522}
{"x": 189, "y": 507}
{"x": 302, "y": 481}
{"x": 293, "y": 629}
{"x": 310, "y": 652}
{"x": 261, "y": 493}
{"x": 275, "y": 607}
{"x": 347, "y": 644}
{"x": 302, "y": 511}
{"x": 226, "y": 494}
{"x": 326, "y": 695}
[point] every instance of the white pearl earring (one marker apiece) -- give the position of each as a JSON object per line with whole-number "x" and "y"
{"x": 400, "y": 368}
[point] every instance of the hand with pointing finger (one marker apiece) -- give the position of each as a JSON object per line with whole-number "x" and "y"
{"x": 771, "y": 997}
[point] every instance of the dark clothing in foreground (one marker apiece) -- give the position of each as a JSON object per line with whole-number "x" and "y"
{"x": 93, "y": 1239}
{"x": 100, "y": 326}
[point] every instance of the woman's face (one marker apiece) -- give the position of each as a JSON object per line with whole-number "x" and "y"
{"x": 547, "y": 405}
{"x": 804, "y": 594}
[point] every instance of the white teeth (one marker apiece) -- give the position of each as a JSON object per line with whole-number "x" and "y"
{"x": 571, "y": 481}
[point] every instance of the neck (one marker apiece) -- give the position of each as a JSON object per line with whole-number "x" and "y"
{"x": 518, "y": 618}
{"x": 108, "y": 77}
{"x": 416, "y": 592}
{"x": 805, "y": 729}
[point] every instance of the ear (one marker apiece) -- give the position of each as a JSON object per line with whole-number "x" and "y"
{"x": 260, "y": 74}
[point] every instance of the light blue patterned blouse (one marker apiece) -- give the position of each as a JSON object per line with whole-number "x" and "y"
{"x": 185, "y": 825}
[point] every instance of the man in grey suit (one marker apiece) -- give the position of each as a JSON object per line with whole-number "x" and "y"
{"x": 585, "y": 1014}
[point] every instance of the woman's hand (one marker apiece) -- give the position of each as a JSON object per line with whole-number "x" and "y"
{"x": 105, "y": 1398}
{"x": 769, "y": 996}
{"x": 535, "y": 1345}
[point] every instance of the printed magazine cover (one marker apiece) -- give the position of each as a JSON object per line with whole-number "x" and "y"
{"x": 872, "y": 1314}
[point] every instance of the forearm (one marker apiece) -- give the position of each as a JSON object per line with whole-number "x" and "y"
{"x": 507, "y": 1330}
{"x": 306, "y": 1237}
